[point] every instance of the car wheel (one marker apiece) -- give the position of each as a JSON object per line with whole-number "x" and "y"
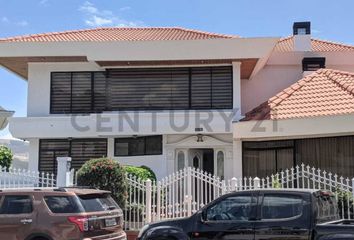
{"x": 39, "y": 238}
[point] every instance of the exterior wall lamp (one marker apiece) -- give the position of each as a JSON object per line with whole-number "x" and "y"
{"x": 200, "y": 138}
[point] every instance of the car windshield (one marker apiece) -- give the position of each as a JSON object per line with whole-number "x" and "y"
{"x": 98, "y": 202}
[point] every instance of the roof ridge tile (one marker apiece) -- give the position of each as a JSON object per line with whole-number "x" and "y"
{"x": 336, "y": 80}
{"x": 57, "y": 36}
{"x": 286, "y": 44}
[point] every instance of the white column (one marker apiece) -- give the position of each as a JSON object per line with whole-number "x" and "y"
{"x": 33, "y": 154}
{"x": 170, "y": 159}
{"x": 148, "y": 201}
{"x": 237, "y": 158}
{"x": 63, "y": 172}
{"x": 236, "y": 68}
{"x": 228, "y": 163}
{"x": 110, "y": 147}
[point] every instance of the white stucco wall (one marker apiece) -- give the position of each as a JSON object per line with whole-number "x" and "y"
{"x": 33, "y": 154}
{"x": 268, "y": 82}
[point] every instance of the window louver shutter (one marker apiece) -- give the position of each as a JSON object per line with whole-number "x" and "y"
{"x": 141, "y": 89}
{"x": 60, "y": 97}
{"x": 180, "y": 89}
{"x": 81, "y": 92}
{"x": 83, "y": 150}
{"x": 201, "y": 88}
{"x": 49, "y": 150}
{"x": 80, "y": 150}
{"x": 221, "y": 88}
{"x": 99, "y": 86}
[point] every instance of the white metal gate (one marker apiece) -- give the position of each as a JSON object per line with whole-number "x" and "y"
{"x": 185, "y": 192}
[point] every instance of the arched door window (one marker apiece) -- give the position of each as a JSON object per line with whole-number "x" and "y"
{"x": 220, "y": 164}
{"x": 180, "y": 160}
{"x": 196, "y": 162}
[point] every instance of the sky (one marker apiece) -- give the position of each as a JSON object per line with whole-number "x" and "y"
{"x": 331, "y": 20}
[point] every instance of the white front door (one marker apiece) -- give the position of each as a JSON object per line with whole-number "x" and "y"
{"x": 188, "y": 158}
{"x": 212, "y": 163}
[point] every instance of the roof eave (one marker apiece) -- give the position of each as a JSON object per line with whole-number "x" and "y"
{"x": 237, "y": 48}
{"x": 331, "y": 125}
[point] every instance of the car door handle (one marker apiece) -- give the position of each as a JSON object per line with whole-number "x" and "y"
{"x": 26, "y": 221}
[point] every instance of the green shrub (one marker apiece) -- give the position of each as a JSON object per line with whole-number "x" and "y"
{"x": 345, "y": 203}
{"x": 5, "y": 157}
{"x": 142, "y": 172}
{"x": 105, "y": 174}
{"x": 276, "y": 182}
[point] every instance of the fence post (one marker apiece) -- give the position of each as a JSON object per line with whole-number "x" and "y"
{"x": 63, "y": 171}
{"x": 223, "y": 187}
{"x": 158, "y": 201}
{"x": 256, "y": 183}
{"x": 72, "y": 179}
{"x": 148, "y": 200}
{"x": 353, "y": 187}
{"x": 233, "y": 184}
{"x": 189, "y": 192}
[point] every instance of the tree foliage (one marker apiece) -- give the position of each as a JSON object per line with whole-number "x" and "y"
{"x": 6, "y": 157}
{"x": 142, "y": 172}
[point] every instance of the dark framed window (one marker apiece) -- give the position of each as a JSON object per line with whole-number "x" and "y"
{"x": 142, "y": 89}
{"x": 332, "y": 154}
{"x": 270, "y": 157}
{"x": 138, "y": 146}
{"x": 80, "y": 150}
{"x": 78, "y": 92}
{"x": 16, "y": 204}
{"x": 313, "y": 63}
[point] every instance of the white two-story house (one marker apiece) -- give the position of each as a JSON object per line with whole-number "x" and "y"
{"x": 167, "y": 98}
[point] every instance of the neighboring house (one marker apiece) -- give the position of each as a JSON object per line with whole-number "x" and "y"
{"x": 169, "y": 98}
{"x": 4, "y": 115}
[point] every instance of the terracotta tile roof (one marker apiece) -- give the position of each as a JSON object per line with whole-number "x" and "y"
{"x": 119, "y": 34}
{"x": 322, "y": 93}
{"x": 287, "y": 45}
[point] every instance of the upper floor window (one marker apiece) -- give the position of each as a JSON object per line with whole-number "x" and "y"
{"x": 78, "y": 92}
{"x": 142, "y": 89}
{"x": 137, "y": 146}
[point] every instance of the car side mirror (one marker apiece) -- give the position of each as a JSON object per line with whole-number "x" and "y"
{"x": 203, "y": 216}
